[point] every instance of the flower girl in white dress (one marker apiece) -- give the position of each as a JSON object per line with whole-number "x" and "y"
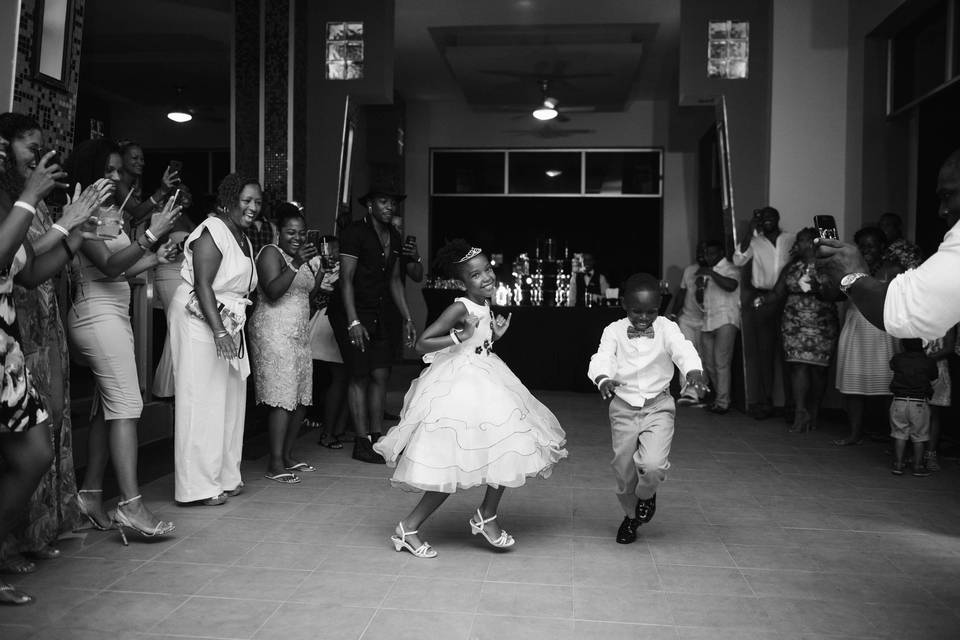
{"x": 467, "y": 420}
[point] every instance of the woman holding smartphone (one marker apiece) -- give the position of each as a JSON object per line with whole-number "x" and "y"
{"x": 130, "y": 183}
{"x": 290, "y": 273}
{"x": 99, "y": 327}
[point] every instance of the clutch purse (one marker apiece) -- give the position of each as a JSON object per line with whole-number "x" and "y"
{"x": 232, "y": 321}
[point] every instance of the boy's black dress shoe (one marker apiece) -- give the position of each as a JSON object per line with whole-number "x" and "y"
{"x": 363, "y": 451}
{"x": 646, "y": 509}
{"x": 627, "y": 532}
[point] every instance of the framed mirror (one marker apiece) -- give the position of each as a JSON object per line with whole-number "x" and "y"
{"x": 52, "y": 41}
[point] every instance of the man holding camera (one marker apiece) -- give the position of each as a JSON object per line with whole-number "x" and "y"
{"x": 768, "y": 247}
{"x": 921, "y": 303}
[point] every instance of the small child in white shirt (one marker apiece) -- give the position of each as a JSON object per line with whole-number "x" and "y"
{"x": 634, "y": 366}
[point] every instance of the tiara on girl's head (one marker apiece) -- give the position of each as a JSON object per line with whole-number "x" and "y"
{"x": 474, "y": 251}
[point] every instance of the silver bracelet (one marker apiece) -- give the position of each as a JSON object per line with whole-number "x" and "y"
{"x": 26, "y": 205}
{"x": 353, "y": 324}
{"x": 152, "y": 238}
{"x": 454, "y": 336}
{"x": 59, "y": 229}
{"x": 221, "y": 334}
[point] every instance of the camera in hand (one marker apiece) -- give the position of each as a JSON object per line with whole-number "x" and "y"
{"x": 826, "y": 227}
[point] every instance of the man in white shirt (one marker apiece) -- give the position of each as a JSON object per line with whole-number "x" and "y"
{"x": 769, "y": 248}
{"x": 721, "y": 322}
{"x": 923, "y": 302}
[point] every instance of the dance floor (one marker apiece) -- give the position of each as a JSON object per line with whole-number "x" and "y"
{"x": 758, "y": 535}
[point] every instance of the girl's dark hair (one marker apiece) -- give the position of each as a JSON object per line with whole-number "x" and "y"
{"x": 88, "y": 161}
{"x": 874, "y": 232}
{"x": 286, "y": 211}
{"x": 228, "y": 193}
{"x": 13, "y": 126}
{"x": 812, "y": 232}
{"x": 448, "y": 258}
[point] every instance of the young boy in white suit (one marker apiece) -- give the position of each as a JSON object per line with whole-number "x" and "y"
{"x": 634, "y": 366}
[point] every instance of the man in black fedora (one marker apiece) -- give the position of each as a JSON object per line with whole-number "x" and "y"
{"x": 370, "y": 251}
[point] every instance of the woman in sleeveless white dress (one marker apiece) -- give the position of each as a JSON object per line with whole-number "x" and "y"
{"x": 210, "y": 366}
{"x": 467, "y": 420}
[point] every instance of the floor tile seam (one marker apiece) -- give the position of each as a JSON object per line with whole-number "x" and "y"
{"x": 267, "y": 619}
{"x": 138, "y": 567}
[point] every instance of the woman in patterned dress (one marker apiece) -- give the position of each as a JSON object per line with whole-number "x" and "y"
{"x": 289, "y": 274}
{"x": 809, "y": 327}
{"x": 54, "y": 507}
{"x": 25, "y": 441}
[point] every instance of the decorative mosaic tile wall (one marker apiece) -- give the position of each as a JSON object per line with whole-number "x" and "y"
{"x": 300, "y": 102}
{"x": 247, "y": 86}
{"x": 53, "y": 107}
{"x": 276, "y": 100}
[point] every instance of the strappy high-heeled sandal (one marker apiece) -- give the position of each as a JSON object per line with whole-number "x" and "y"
{"x": 87, "y": 512}
{"x": 503, "y": 541}
{"x": 400, "y": 543}
{"x": 122, "y": 520}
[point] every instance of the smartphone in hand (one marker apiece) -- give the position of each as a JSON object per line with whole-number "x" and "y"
{"x": 826, "y": 227}
{"x": 175, "y": 167}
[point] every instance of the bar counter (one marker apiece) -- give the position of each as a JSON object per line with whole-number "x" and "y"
{"x": 546, "y": 347}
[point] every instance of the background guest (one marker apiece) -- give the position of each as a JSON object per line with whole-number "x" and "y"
{"x": 40, "y": 489}
{"x": 329, "y": 375}
{"x": 102, "y": 337}
{"x": 589, "y": 284}
{"x": 53, "y": 507}
{"x": 913, "y": 372}
{"x": 280, "y": 338}
{"x": 721, "y": 321}
{"x": 210, "y": 364}
{"x": 166, "y": 279}
{"x": 131, "y": 180}
{"x": 686, "y": 309}
{"x": 768, "y": 247}
{"x": 369, "y": 274}
{"x": 809, "y": 327}
{"x": 938, "y": 351}
{"x": 863, "y": 351}
{"x": 900, "y": 252}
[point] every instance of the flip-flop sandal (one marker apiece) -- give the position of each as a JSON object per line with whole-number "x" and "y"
{"x": 234, "y": 492}
{"x": 16, "y": 564}
{"x": 301, "y": 467}
{"x": 311, "y": 424}
{"x": 9, "y": 595}
{"x": 285, "y": 478}
{"x": 333, "y": 443}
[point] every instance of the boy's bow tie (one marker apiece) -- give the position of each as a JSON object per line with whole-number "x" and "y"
{"x": 633, "y": 332}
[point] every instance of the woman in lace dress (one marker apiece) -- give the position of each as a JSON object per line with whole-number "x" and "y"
{"x": 289, "y": 274}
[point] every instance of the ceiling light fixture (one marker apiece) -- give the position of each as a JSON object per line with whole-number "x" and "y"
{"x": 179, "y": 113}
{"x": 553, "y": 173}
{"x": 548, "y": 111}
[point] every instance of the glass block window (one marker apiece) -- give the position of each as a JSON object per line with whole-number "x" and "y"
{"x": 344, "y": 50}
{"x": 728, "y": 49}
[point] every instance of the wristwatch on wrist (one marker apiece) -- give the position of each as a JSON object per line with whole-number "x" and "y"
{"x": 847, "y": 281}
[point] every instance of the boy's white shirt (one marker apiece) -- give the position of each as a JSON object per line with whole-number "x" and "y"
{"x": 644, "y": 366}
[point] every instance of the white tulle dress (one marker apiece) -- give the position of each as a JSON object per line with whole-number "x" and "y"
{"x": 467, "y": 421}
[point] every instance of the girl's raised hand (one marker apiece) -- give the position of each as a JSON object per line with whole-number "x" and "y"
{"x": 80, "y": 207}
{"x": 500, "y": 326}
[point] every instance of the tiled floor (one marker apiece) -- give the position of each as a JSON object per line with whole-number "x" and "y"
{"x": 759, "y": 535}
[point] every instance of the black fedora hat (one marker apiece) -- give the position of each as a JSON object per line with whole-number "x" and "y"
{"x": 383, "y": 188}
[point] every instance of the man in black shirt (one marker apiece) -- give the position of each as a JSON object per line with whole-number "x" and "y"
{"x": 360, "y": 310}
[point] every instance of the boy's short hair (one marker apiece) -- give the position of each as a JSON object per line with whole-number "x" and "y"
{"x": 912, "y": 344}
{"x": 640, "y": 282}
